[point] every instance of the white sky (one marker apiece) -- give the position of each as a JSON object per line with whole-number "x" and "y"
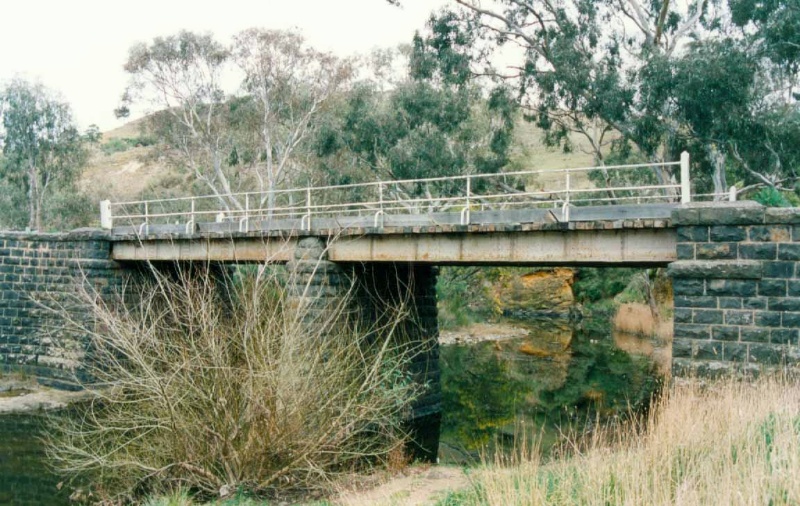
{"x": 78, "y": 47}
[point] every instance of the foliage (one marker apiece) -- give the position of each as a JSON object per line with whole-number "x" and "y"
{"x": 42, "y": 150}
{"x": 435, "y": 123}
{"x": 595, "y": 284}
{"x": 233, "y": 139}
{"x": 771, "y": 197}
{"x": 216, "y": 385}
{"x": 638, "y": 79}
{"x": 463, "y": 296}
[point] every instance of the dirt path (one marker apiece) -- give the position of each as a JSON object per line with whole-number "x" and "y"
{"x": 421, "y": 486}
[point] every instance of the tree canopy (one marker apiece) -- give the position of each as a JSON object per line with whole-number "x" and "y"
{"x": 42, "y": 149}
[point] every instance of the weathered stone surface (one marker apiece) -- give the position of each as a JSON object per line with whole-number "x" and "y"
{"x": 758, "y": 251}
{"x": 782, "y": 215}
{"x": 772, "y": 287}
{"x": 770, "y": 233}
{"x": 544, "y": 290}
{"x": 731, "y": 287}
{"x": 693, "y": 234}
{"x": 685, "y": 252}
{"x": 789, "y": 251}
{"x": 735, "y": 317}
{"x": 755, "y": 334}
{"x": 768, "y": 318}
{"x": 707, "y": 316}
{"x": 778, "y": 269}
{"x": 725, "y": 333}
{"x": 728, "y": 233}
{"x": 689, "y": 286}
{"x": 719, "y": 213}
{"x": 716, "y": 269}
{"x": 717, "y": 251}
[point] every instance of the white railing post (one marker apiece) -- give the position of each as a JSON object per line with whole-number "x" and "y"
{"x": 190, "y": 225}
{"x": 732, "y": 194}
{"x": 244, "y": 223}
{"x": 686, "y": 184}
{"x": 379, "y": 214}
{"x": 106, "y": 219}
{"x": 465, "y": 212}
{"x": 308, "y": 208}
{"x": 565, "y": 212}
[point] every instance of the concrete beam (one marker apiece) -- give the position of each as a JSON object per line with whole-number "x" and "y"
{"x": 245, "y": 249}
{"x": 569, "y": 247}
{"x": 590, "y": 247}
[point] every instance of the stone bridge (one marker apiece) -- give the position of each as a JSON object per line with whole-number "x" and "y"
{"x": 735, "y": 269}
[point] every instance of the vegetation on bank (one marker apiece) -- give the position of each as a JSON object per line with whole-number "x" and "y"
{"x": 222, "y": 385}
{"x": 720, "y": 442}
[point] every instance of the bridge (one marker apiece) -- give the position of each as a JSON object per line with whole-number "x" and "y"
{"x": 735, "y": 265}
{"x": 499, "y": 219}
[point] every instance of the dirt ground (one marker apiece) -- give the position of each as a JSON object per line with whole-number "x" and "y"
{"x": 418, "y": 486}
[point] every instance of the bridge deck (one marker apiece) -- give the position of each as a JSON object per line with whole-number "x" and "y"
{"x": 604, "y": 235}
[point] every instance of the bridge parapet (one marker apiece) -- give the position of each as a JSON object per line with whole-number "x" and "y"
{"x": 736, "y": 287}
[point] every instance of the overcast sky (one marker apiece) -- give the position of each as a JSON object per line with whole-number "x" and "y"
{"x": 78, "y": 47}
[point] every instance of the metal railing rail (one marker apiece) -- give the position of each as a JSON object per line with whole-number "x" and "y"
{"x": 461, "y": 194}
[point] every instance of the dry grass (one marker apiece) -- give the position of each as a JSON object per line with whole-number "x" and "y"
{"x": 728, "y": 442}
{"x": 217, "y": 385}
{"x": 637, "y": 318}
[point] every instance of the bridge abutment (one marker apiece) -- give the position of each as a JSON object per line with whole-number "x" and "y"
{"x": 736, "y": 287}
{"x": 40, "y": 271}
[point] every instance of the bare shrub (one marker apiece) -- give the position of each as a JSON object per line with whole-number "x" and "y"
{"x": 215, "y": 384}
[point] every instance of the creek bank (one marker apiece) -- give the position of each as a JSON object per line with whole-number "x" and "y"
{"x": 19, "y": 396}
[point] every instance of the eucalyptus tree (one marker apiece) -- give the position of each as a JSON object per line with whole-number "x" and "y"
{"x": 289, "y": 84}
{"x": 181, "y": 77}
{"x": 42, "y": 149}
{"x": 645, "y": 80}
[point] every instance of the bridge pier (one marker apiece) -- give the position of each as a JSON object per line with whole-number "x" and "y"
{"x": 377, "y": 292}
{"x": 736, "y": 287}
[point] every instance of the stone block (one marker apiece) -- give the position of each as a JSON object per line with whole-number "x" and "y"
{"x": 789, "y": 251}
{"x": 708, "y": 350}
{"x": 693, "y": 234}
{"x": 783, "y": 304}
{"x": 720, "y": 269}
{"x": 754, "y": 303}
{"x": 735, "y": 352}
{"x": 719, "y": 213}
{"x": 726, "y": 233}
{"x": 789, "y": 215}
{"x": 691, "y": 331}
{"x": 772, "y": 287}
{"x": 688, "y": 286}
{"x": 695, "y": 301}
{"x": 685, "y": 251}
{"x": 778, "y": 269}
{"x": 725, "y": 333}
{"x": 766, "y": 354}
{"x": 732, "y": 287}
{"x": 682, "y": 315}
{"x": 758, "y": 251}
{"x": 707, "y": 316}
{"x": 754, "y": 334}
{"x": 717, "y": 251}
{"x": 682, "y": 348}
{"x": 734, "y": 317}
{"x": 791, "y": 319}
{"x": 730, "y": 302}
{"x": 770, "y": 233}
{"x": 793, "y": 288}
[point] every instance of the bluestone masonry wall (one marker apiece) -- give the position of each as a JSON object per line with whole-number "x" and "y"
{"x": 38, "y": 269}
{"x": 736, "y": 288}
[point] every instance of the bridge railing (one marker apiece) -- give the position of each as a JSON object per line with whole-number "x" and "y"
{"x": 373, "y": 202}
